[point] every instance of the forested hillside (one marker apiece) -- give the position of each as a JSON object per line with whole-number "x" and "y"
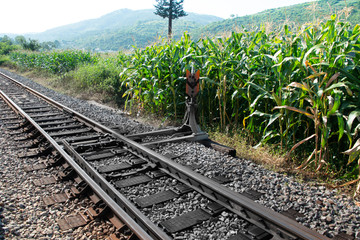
{"x": 129, "y": 28}
{"x": 125, "y": 28}
{"x": 121, "y": 29}
{"x": 294, "y": 16}
{"x": 141, "y": 34}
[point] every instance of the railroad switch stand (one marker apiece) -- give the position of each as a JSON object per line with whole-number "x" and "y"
{"x": 190, "y": 130}
{"x": 192, "y": 90}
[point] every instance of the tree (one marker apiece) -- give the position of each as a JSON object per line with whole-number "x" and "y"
{"x": 32, "y": 45}
{"x": 6, "y": 39}
{"x": 6, "y": 48}
{"x": 47, "y": 46}
{"x": 57, "y": 44}
{"x": 20, "y": 40}
{"x": 171, "y": 9}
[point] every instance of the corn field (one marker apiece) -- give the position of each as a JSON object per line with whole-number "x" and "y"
{"x": 298, "y": 90}
{"x": 54, "y": 62}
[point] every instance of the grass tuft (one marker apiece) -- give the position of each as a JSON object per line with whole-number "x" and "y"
{"x": 264, "y": 155}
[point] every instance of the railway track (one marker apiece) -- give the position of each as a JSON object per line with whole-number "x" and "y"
{"x": 129, "y": 180}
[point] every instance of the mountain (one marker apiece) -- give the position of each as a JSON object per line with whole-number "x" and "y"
{"x": 141, "y": 34}
{"x": 121, "y": 26}
{"x": 115, "y": 20}
{"x": 293, "y": 16}
{"x": 125, "y": 28}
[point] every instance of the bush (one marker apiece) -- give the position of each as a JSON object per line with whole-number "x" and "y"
{"x": 6, "y": 48}
{"x": 102, "y": 76}
{"x": 4, "y": 60}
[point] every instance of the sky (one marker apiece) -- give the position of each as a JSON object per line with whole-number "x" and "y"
{"x": 26, "y": 16}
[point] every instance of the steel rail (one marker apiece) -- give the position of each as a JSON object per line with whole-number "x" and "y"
{"x": 151, "y": 232}
{"x": 116, "y": 195}
{"x": 271, "y": 221}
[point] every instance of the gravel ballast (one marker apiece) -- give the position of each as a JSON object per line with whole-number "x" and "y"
{"x": 23, "y": 214}
{"x": 23, "y": 217}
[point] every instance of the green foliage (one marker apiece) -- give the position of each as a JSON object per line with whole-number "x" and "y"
{"x": 6, "y": 39}
{"x": 6, "y": 48}
{"x": 155, "y": 79}
{"x": 57, "y": 62}
{"x": 172, "y": 9}
{"x": 4, "y": 59}
{"x": 20, "y": 40}
{"x": 126, "y": 28}
{"x": 82, "y": 71}
{"x": 286, "y": 87}
{"x": 101, "y": 76}
{"x": 31, "y": 45}
{"x": 293, "y": 16}
{"x": 354, "y": 154}
{"x": 121, "y": 29}
{"x": 47, "y": 46}
{"x": 141, "y": 34}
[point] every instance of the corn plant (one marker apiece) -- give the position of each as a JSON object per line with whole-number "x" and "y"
{"x": 57, "y": 62}
{"x": 354, "y": 154}
{"x": 296, "y": 88}
{"x": 321, "y": 97}
{"x": 156, "y": 78}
